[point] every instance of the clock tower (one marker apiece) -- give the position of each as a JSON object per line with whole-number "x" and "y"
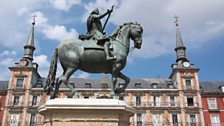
{"x": 23, "y": 75}
{"x": 185, "y": 77}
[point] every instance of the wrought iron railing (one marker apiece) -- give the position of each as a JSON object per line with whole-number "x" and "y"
{"x": 154, "y": 104}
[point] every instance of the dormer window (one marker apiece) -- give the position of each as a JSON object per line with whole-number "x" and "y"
{"x": 170, "y": 85}
{"x": 154, "y": 85}
{"x": 121, "y": 85}
{"x": 88, "y": 85}
{"x": 138, "y": 85}
{"x": 104, "y": 85}
{"x": 222, "y": 88}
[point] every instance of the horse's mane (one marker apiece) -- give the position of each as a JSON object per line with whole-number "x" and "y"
{"x": 116, "y": 32}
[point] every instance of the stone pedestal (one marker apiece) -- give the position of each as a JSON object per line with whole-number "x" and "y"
{"x": 86, "y": 112}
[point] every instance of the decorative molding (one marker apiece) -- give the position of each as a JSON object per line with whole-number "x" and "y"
{"x": 20, "y": 75}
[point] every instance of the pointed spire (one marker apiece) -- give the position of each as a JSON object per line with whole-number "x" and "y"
{"x": 180, "y": 48}
{"x": 29, "y": 47}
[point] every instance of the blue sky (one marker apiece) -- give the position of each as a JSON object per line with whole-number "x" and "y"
{"x": 201, "y": 26}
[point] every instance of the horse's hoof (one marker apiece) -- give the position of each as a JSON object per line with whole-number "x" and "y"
{"x": 75, "y": 97}
{"x": 116, "y": 97}
{"x": 52, "y": 97}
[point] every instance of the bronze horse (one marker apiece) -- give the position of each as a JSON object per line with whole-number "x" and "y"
{"x": 74, "y": 55}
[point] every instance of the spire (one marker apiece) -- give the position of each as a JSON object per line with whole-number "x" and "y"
{"x": 29, "y": 47}
{"x": 180, "y": 48}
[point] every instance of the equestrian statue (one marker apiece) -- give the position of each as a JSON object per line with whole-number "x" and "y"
{"x": 94, "y": 52}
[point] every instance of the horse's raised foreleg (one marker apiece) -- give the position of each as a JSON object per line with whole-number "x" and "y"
{"x": 126, "y": 79}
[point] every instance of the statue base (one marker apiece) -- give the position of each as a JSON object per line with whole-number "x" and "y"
{"x": 86, "y": 112}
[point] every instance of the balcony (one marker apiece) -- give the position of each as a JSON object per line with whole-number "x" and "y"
{"x": 192, "y": 124}
{"x": 216, "y": 124}
{"x": 191, "y": 105}
{"x": 154, "y": 104}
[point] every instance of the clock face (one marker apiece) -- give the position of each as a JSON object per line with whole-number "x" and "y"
{"x": 186, "y": 64}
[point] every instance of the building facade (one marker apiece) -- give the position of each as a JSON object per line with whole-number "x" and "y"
{"x": 179, "y": 100}
{"x": 212, "y": 94}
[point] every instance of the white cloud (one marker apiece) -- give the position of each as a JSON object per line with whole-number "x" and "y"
{"x": 59, "y": 33}
{"x": 44, "y": 64}
{"x": 7, "y": 58}
{"x": 83, "y": 75}
{"x": 199, "y": 22}
{"x": 103, "y": 5}
{"x": 8, "y": 53}
{"x": 64, "y": 4}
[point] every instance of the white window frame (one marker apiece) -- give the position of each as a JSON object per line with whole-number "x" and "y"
{"x": 17, "y": 83}
{"x": 185, "y": 84}
{"x": 212, "y": 105}
{"x": 157, "y": 120}
{"x": 14, "y": 119}
{"x": 215, "y": 122}
{"x": 175, "y": 101}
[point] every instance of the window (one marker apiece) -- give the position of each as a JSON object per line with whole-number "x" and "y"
{"x": 154, "y": 85}
{"x": 104, "y": 85}
{"x": 32, "y": 119}
{"x": 190, "y": 102}
{"x": 16, "y": 100}
{"x": 86, "y": 97}
{"x": 172, "y": 101}
{"x": 139, "y": 119}
{"x": 174, "y": 119}
{"x": 138, "y": 85}
{"x": 138, "y": 100}
{"x": 188, "y": 83}
{"x": 19, "y": 82}
{"x": 215, "y": 120}
{"x": 222, "y": 88}
{"x": 121, "y": 85}
{"x": 192, "y": 120}
{"x": 157, "y": 120}
{"x": 155, "y": 100}
{"x": 14, "y": 120}
{"x": 212, "y": 104}
{"x": 34, "y": 101}
{"x": 88, "y": 85}
{"x": 121, "y": 98}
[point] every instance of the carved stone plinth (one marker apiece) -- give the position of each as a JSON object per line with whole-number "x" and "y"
{"x": 86, "y": 112}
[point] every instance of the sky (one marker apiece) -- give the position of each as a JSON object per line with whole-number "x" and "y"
{"x": 201, "y": 26}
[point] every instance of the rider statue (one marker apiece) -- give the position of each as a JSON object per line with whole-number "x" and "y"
{"x": 95, "y": 31}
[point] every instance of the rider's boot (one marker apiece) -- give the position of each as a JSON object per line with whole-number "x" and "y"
{"x": 106, "y": 49}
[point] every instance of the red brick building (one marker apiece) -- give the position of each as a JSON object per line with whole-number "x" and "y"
{"x": 3, "y": 92}
{"x": 212, "y": 94}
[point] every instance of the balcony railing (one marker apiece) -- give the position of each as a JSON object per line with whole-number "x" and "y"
{"x": 154, "y": 104}
{"x": 168, "y": 124}
{"x": 216, "y": 124}
{"x": 192, "y": 105}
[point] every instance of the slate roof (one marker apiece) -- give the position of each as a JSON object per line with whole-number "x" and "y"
{"x": 3, "y": 85}
{"x": 211, "y": 86}
{"x": 96, "y": 83}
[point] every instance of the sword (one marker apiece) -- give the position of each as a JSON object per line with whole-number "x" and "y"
{"x": 107, "y": 18}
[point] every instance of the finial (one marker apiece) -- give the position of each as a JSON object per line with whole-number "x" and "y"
{"x": 34, "y": 21}
{"x": 176, "y": 21}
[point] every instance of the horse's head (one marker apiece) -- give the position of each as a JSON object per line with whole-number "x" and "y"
{"x": 136, "y": 34}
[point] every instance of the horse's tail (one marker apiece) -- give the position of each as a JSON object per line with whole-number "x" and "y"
{"x": 49, "y": 83}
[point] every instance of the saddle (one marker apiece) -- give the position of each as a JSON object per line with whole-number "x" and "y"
{"x": 95, "y": 44}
